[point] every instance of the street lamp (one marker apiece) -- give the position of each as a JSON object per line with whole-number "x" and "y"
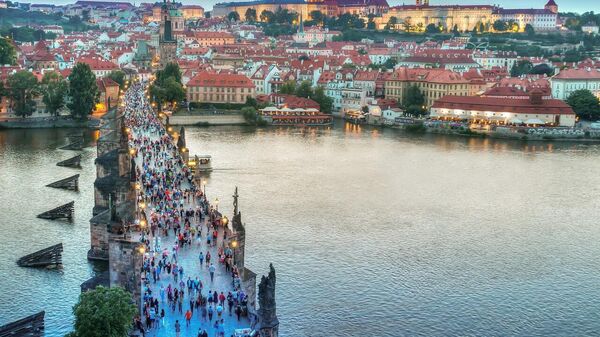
{"x": 224, "y": 220}
{"x": 234, "y": 244}
{"x": 217, "y": 203}
{"x": 204, "y": 186}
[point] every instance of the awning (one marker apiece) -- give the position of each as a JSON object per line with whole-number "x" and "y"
{"x": 515, "y": 121}
{"x": 534, "y": 121}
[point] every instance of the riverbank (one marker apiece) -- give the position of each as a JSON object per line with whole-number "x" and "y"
{"x": 92, "y": 122}
{"x": 191, "y": 119}
{"x": 538, "y": 134}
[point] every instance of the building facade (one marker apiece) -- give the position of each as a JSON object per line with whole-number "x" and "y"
{"x": 219, "y": 88}
{"x": 569, "y": 80}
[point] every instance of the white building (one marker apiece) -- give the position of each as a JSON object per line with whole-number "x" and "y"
{"x": 590, "y": 28}
{"x": 569, "y": 80}
{"x": 491, "y": 59}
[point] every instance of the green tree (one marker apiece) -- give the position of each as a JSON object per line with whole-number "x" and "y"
{"x": 8, "y": 54}
{"x": 167, "y": 87}
{"x": 520, "y": 68}
{"x": 413, "y": 96}
{"x": 304, "y": 89}
{"x": 171, "y": 70}
{"x": 83, "y": 91}
{"x": 23, "y": 88}
{"x": 288, "y": 88}
{"x": 251, "y": 102}
{"x": 252, "y": 117}
{"x": 325, "y": 102}
{"x": 414, "y": 110}
{"x": 250, "y": 15}
{"x": 391, "y": 24}
{"x": 500, "y": 26}
{"x": 541, "y": 69}
{"x": 267, "y": 16}
{"x": 529, "y": 30}
{"x": 431, "y": 29}
{"x": 585, "y": 104}
{"x": 455, "y": 31}
{"x": 174, "y": 91}
{"x": 118, "y": 76}
{"x": 317, "y": 17}
{"x": 233, "y": 16}
{"x": 54, "y": 89}
{"x": 104, "y": 312}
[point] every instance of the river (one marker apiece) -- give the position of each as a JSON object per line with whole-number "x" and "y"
{"x": 372, "y": 232}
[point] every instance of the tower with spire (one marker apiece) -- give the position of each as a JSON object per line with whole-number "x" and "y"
{"x": 167, "y": 43}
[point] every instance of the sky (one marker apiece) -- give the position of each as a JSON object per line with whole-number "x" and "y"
{"x": 563, "y": 5}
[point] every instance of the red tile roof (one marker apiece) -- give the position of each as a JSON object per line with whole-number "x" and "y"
{"x": 577, "y": 74}
{"x": 477, "y": 103}
{"x": 206, "y": 79}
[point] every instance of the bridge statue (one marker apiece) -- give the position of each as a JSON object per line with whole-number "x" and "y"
{"x": 268, "y": 324}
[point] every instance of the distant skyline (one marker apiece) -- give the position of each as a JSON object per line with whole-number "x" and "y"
{"x": 564, "y": 5}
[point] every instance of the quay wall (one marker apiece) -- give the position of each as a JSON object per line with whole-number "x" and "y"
{"x": 200, "y": 120}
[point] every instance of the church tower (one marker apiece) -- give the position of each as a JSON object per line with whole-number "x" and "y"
{"x": 167, "y": 44}
{"x": 552, "y": 7}
{"x": 422, "y": 2}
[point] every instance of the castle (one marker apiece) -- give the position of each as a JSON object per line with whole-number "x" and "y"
{"x": 408, "y": 17}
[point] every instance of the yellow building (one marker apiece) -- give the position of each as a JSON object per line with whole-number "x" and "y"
{"x": 433, "y": 83}
{"x": 418, "y": 17}
{"x": 219, "y": 88}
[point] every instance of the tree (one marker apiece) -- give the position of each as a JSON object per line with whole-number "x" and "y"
{"x": 413, "y": 97}
{"x": 520, "y": 68}
{"x": 252, "y": 117}
{"x": 317, "y": 17}
{"x": 529, "y": 30}
{"x": 391, "y": 24}
{"x": 541, "y": 69}
{"x": 54, "y": 88}
{"x": 250, "y": 15}
{"x": 585, "y": 104}
{"x": 8, "y": 54}
{"x": 304, "y": 89}
{"x": 104, "y": 312}
{"x": 167, "y": 87}
{"x": 23, "y": 87}
{"x": 171, "y": 70}
{"x": 500, "y": 26}
{"x": 267, "y": 16}
{"x": 251, "y": 102}
{"x": 83, "y": 91}
{"x": 431, "y": 29}
{"x": 117, "y": 76}
{"x": 233, "y": 16}
{"x": 455, "y": 31}
{"x": 325, "y": 102}
{"x": 288, "y": 88}
{"x": 414, "y": 110}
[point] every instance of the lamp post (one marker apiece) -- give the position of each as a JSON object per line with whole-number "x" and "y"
{"x": 217, "y": 204}
{"x": 204, "y": 186}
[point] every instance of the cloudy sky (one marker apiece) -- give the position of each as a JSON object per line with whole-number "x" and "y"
{"x": 564, "y": 5}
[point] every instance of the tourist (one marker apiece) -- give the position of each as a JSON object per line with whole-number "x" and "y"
{"x": 177, "y": 328}
{"x": 212, "y": 270}
{"x": 188, "y": 318}
{"x": 201, "y": 258}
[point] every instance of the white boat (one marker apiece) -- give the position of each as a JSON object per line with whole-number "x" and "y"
{"x": 200, "y": 163}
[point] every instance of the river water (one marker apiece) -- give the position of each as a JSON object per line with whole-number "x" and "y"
{"x": 372, "y": 232}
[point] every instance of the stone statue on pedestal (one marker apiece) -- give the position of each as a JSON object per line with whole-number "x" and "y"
{"x": 268, "y": 324}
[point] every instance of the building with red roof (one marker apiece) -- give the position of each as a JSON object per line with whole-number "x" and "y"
{"x": 531, "y": 109}
{"x": 569, "y": 80}
{"x": 208, "y": 87}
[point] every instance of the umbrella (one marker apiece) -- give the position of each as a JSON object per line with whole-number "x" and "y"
{"x": 534, "y": 121}
{"x": 515, "y": 121}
